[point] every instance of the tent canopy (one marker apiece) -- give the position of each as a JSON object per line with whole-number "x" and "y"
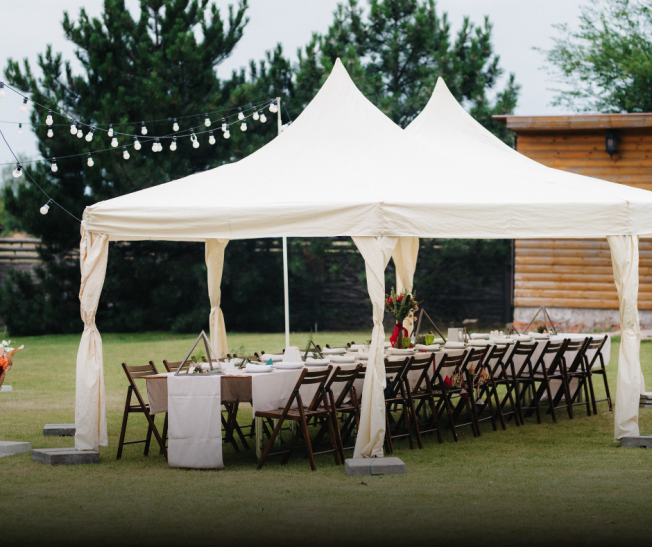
{"x": 344, "y": 168}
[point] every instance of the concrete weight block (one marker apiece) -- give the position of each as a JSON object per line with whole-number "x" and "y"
{"x": 642, "y": 441}
{"x": 65, "y": 456}
{"x": 59, "y": 430}
{"x": 367, "y": 467}
{"x": 9, "y": 448}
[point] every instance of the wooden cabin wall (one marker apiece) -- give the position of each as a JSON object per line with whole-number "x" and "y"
{"x": 578, "y": 273}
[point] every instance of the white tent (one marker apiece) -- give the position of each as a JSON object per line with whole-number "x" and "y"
{"x": 343, "y": 168}
{"x": 444, "y": 124}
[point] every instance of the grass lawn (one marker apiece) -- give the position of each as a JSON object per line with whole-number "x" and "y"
{"x": 566, "y": 482}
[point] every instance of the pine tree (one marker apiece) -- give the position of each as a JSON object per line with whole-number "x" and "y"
{"x": 396, "y": 52}
{"x": 150, "y": 68}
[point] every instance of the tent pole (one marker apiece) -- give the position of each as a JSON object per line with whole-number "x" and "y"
{"x": 286, "y": 291}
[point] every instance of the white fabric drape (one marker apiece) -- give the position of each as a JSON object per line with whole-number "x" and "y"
{"x": 630, "y": 382}
{"x": 371, "y": 433}
{"x": 90, "y": 400}
{"x": 215, "y": 265}
{"x": 405, "y": 261}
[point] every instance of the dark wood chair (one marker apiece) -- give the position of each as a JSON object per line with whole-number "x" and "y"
{"x": 576, "y": 370}
{"x": 141, "y": 407}
{"x": 423, "y": 394}
{"x": 444, "y": 385}
{"x": 596, "y": 345}
{"x": 395, "y": 397}
{"x": 466, "y": 395}
{"x": 493, "y": 364}
{"x": 346, "y": 404}
{"x": 174, "y": 366}
{"x": 506, "y": 373}
{"x": 484, "y": 389}
{"x": 539, "y": 379}
{"x": 301, "y": 415}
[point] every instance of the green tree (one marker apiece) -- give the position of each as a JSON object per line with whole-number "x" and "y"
{"x": 158, "y": 66}
{"x": 397, "y": 49}
{"x": 606, "y": 65}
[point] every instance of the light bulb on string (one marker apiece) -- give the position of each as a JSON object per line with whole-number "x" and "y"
{"x": 227, "y": 134}
{"x": 73, "y": 128}
{"x": 137, "y": 145}
{"x": 23, "y": 107}
{"x": 173, "y": 146}
{"x": 90, "y": 161}
{"x": 2, "y": 90}
{"x": 256, "y": 116}
{"x": 125, "y": 153}
{"x": 240, "y": 114}
{"x": 54, "y": 165}
{"x": 175, "y": 125}
{"x": 18, "y": 172}
{"x": 207, "y": 121}
{"x": 243, "y": 126}
{"x": 110, "y": 131}
{"x": 211, "y": 138}
{"x": 263, "y": 118}
{"x": 20, "y": 128}
{"x": 50, "y": 133}
{"x": 155, "y": 146}
{"x": 143, "y": 129}
{"x": 80, "y": 133}
{"x": 195, "y": 142}
{"x": 224, "y": 126}
{"x": 273, "y": 108}
{"x": 114, "y": 142}
{"x": 49, "y": 120}
{"x": 89, "y": 135}
{"x": 44, "y": 210}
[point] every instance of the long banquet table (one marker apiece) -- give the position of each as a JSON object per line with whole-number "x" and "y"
{"x": 265, "y": 391}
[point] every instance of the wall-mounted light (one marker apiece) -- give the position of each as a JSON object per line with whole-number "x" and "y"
{"x": 611, "y": 144}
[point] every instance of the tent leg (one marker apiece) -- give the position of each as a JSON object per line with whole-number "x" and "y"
{"x": 286, "y": 292}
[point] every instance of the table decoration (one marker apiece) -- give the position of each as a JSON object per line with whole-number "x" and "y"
{"x": 400, "y": 306}
{"x": 7, "y": 358}
{"x": 197, "y": 367}
{"x": 314, "y": 350}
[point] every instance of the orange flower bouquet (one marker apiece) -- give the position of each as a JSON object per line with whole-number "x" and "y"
{"x": 6, "y": 358}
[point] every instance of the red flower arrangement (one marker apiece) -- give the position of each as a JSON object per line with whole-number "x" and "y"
{"x": 400, "y": 306}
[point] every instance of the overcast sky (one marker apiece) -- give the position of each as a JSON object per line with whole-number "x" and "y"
{"x": 26, "y": 26}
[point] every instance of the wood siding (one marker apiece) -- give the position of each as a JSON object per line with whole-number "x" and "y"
{"x": 578, "y": 273}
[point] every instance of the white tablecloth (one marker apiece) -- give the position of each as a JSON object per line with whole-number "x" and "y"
{"x": 195, "y": 421}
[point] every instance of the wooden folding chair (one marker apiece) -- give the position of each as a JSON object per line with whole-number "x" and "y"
{"x": 423, "y": 393}
{"x": 494, "y": 364}
{"x": 596, "y": 345}
{"x": 135, "y": 373}
{"x": 484, "y": 389}
{"x": 505, "y": 373}
{"x": 444, "y": 386}
{"x": 576, "y": 370}
{"x": 346, "y": 404}
{"x": 396, "y": 396}
{"x": 301, "y": 415}
{"x": 543, "y": 373}
{"x": 466, "y": 394}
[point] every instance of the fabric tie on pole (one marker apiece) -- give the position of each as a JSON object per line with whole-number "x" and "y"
{"x": 371, "y": 433}
{"x": 405, "y": 262}
{"x": 90, "y": 399}
{"x": 215, "y": 265}
{"x": 630, "y": 383}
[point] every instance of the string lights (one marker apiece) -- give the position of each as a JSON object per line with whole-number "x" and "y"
{"x": 44, "y": 210}
{"x": 87, "y": 131}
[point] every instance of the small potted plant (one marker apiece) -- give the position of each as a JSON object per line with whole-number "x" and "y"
{"x": 400, "y": 306}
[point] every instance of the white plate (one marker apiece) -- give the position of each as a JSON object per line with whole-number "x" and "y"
{"x": 397, "y": 351}
{"x": 273, "y": 356}
{"x": 423, "y": 347}
{"x": 333, "y": 351}
{"x": 343, "y": 359}
{"x": 258, "y": 368}
{"x": 362, "y": 357}
{"x": 317, "y": 362}
{"x": 288, "y": 365}
{"x": 356, "y": 347}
